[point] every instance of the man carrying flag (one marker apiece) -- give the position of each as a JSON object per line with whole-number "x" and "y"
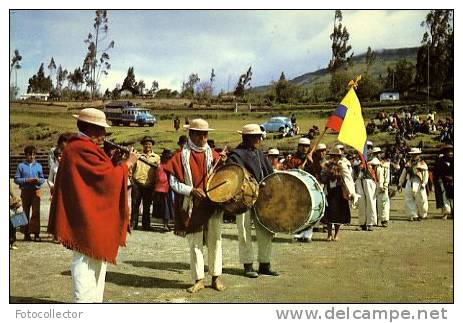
{"x": 347, "y": 119}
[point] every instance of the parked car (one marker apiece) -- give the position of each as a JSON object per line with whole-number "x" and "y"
{"x": 277, "y": 124}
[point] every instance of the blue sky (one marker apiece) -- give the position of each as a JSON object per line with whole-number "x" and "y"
{"x": 169, "y": 45}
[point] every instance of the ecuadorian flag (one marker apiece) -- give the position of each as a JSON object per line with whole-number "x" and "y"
{"x": 347, "y": 119}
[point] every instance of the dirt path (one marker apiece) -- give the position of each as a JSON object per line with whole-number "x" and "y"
{"x": 406, "y": 262}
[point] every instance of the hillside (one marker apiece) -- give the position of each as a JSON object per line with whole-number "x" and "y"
{"x": 384, "y": 58}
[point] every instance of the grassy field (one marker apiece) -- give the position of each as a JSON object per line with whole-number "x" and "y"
{"x": 40, "y": 125}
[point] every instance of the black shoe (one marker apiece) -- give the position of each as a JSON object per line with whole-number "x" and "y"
{"x": 385, "y": 223}
{"x": 369, "y": 228}
{"x": 249, "y": 271}
{"x": 363, "y": 227}
{"x": 264, "y": 269}
{"x": 27, "y": 237}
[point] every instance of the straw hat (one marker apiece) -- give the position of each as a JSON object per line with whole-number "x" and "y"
{"x": 321, "y": 146}
{"x": 369, "y": 143}
{"x": 340, "y": 146}
{"x": 93, "y": 116}
{"x": 304, "y": 141}
{"x": 273, "y": 152}
{"x": 414, "y": 151}
{"x": 147, "y": 138}
{"x": 335, "y": 152}
{"x": 376, "y": 150}
{"x": 198, "y": 125}
{"x": 251, "y": 129}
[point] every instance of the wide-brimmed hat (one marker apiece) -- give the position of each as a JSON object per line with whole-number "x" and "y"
{"x": 335, "y": 152}
{"x": 414, "y": 151}
{"x": 273, "y": 152}
{"x": 147, "y": 138}
{"x": 376, "y": 150}
{"x": 251, "y": 129}
{"x": 304, "y": 141}
{"x": 321, "y": 146}
{"x": 340, "y": 146}
{"x": 198, "y": 125}
{"x": 93, "y": 116}
{"x": 369, "y": 143}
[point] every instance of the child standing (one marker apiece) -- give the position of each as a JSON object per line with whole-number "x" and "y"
{"x": 29, "y": 177}
{"x": 163, "y": 192}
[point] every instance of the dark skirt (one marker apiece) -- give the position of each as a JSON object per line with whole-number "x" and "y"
{"x": 337, "y": 210}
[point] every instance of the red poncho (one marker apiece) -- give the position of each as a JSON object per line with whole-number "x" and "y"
{"x": 89, "y": 209}
{"x": 202, "y": 209}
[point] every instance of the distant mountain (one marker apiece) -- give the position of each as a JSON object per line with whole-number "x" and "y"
{"x": 384, "y": 58}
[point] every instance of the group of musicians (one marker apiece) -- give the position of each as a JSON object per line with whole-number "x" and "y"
{"x": 89, "y": 208}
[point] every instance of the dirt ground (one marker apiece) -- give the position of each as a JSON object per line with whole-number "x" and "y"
{"x": 408, "y": 262}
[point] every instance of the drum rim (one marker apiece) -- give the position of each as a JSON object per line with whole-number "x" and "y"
{"x": 291, "y": 172}
{"x": 215, "y": 172}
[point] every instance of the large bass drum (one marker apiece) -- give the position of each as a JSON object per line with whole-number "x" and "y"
{"x": 233, "y": 188}
{"x": 289, "y": 201}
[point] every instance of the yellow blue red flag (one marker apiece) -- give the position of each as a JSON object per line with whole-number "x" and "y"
{"x": 347, "y": 120}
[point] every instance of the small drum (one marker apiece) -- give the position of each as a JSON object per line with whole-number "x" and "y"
{"x": 233, "y": 188}
{"x": 289, "y": 201}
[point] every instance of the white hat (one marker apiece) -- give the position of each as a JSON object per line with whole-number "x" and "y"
{"x": 369, "y": 143}
{"x": 93, "y": 116}
{"x": 273, "y": 151}
{"x": 374, "y": 162}
{"x": 251, "y": 129}
{"x": 304, "y": 141}
{"x": 414, "y": 151}
{"x": 321, "y": 146}
{"x": 198, "y": 125}
{"x": 335, "y": 152}
{"x": 376, "y": 150}
{"x": 340, "y": 146}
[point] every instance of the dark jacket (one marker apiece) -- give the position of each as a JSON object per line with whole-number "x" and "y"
{"x": 253, "y": 160}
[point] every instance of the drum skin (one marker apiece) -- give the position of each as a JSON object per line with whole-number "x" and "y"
{"x": 289, "y": 201}
{"x": 233, "y": 188}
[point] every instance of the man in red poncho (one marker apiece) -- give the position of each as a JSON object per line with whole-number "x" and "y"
{"x": 89, "y": 208}
{"x": 188, "y": 170}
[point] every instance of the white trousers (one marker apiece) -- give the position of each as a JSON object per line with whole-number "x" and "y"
{"x": 88, "y": 279}
{"x": 366, "y": 188}
{"x": 264, "y": 239}
{"x": 383, "y": 205}
{"x": 214, "y": 248}
{"x": 305, "y": 234}
{"x": 416, "y": 199}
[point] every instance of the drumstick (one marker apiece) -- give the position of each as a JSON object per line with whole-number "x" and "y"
{"x": 218, "y": 185}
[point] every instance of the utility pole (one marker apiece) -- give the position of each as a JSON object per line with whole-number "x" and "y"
{"x": 428, "y": 75}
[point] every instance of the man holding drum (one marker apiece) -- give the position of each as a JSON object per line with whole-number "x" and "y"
{"x": 188, "y": 169}
{"x": 249, "y": 156}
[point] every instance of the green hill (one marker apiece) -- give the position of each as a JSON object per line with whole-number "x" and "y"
{"x": 384, "y": 58}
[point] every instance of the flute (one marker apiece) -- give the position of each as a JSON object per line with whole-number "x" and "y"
{"x": 127, "y": 150}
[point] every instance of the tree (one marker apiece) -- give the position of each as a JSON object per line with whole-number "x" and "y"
{"x": 435, "y": 56}
{"x": 400, "y": 77}
{"x": 60, "y": 77}
{"x": 340, "y": 50}
{"x": 52, "y": 67}
{"x": 129, "y": 81}
{"x": 107, "y": 94}
{"x": 370, "y": 58}
{"x": 285, "y": 92}
{"x": 39, "y": 83}
{"x": 154, "y": 87}
{"x": 76, "y": 79}
{"x": 96, "y": 62}
{"x": 189, "y": 86}
{"x": 243, "y": 81}
{"x": 14, "y": 65}
{"x": 368, "y": 88}
{"x": 141, "y": 87}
